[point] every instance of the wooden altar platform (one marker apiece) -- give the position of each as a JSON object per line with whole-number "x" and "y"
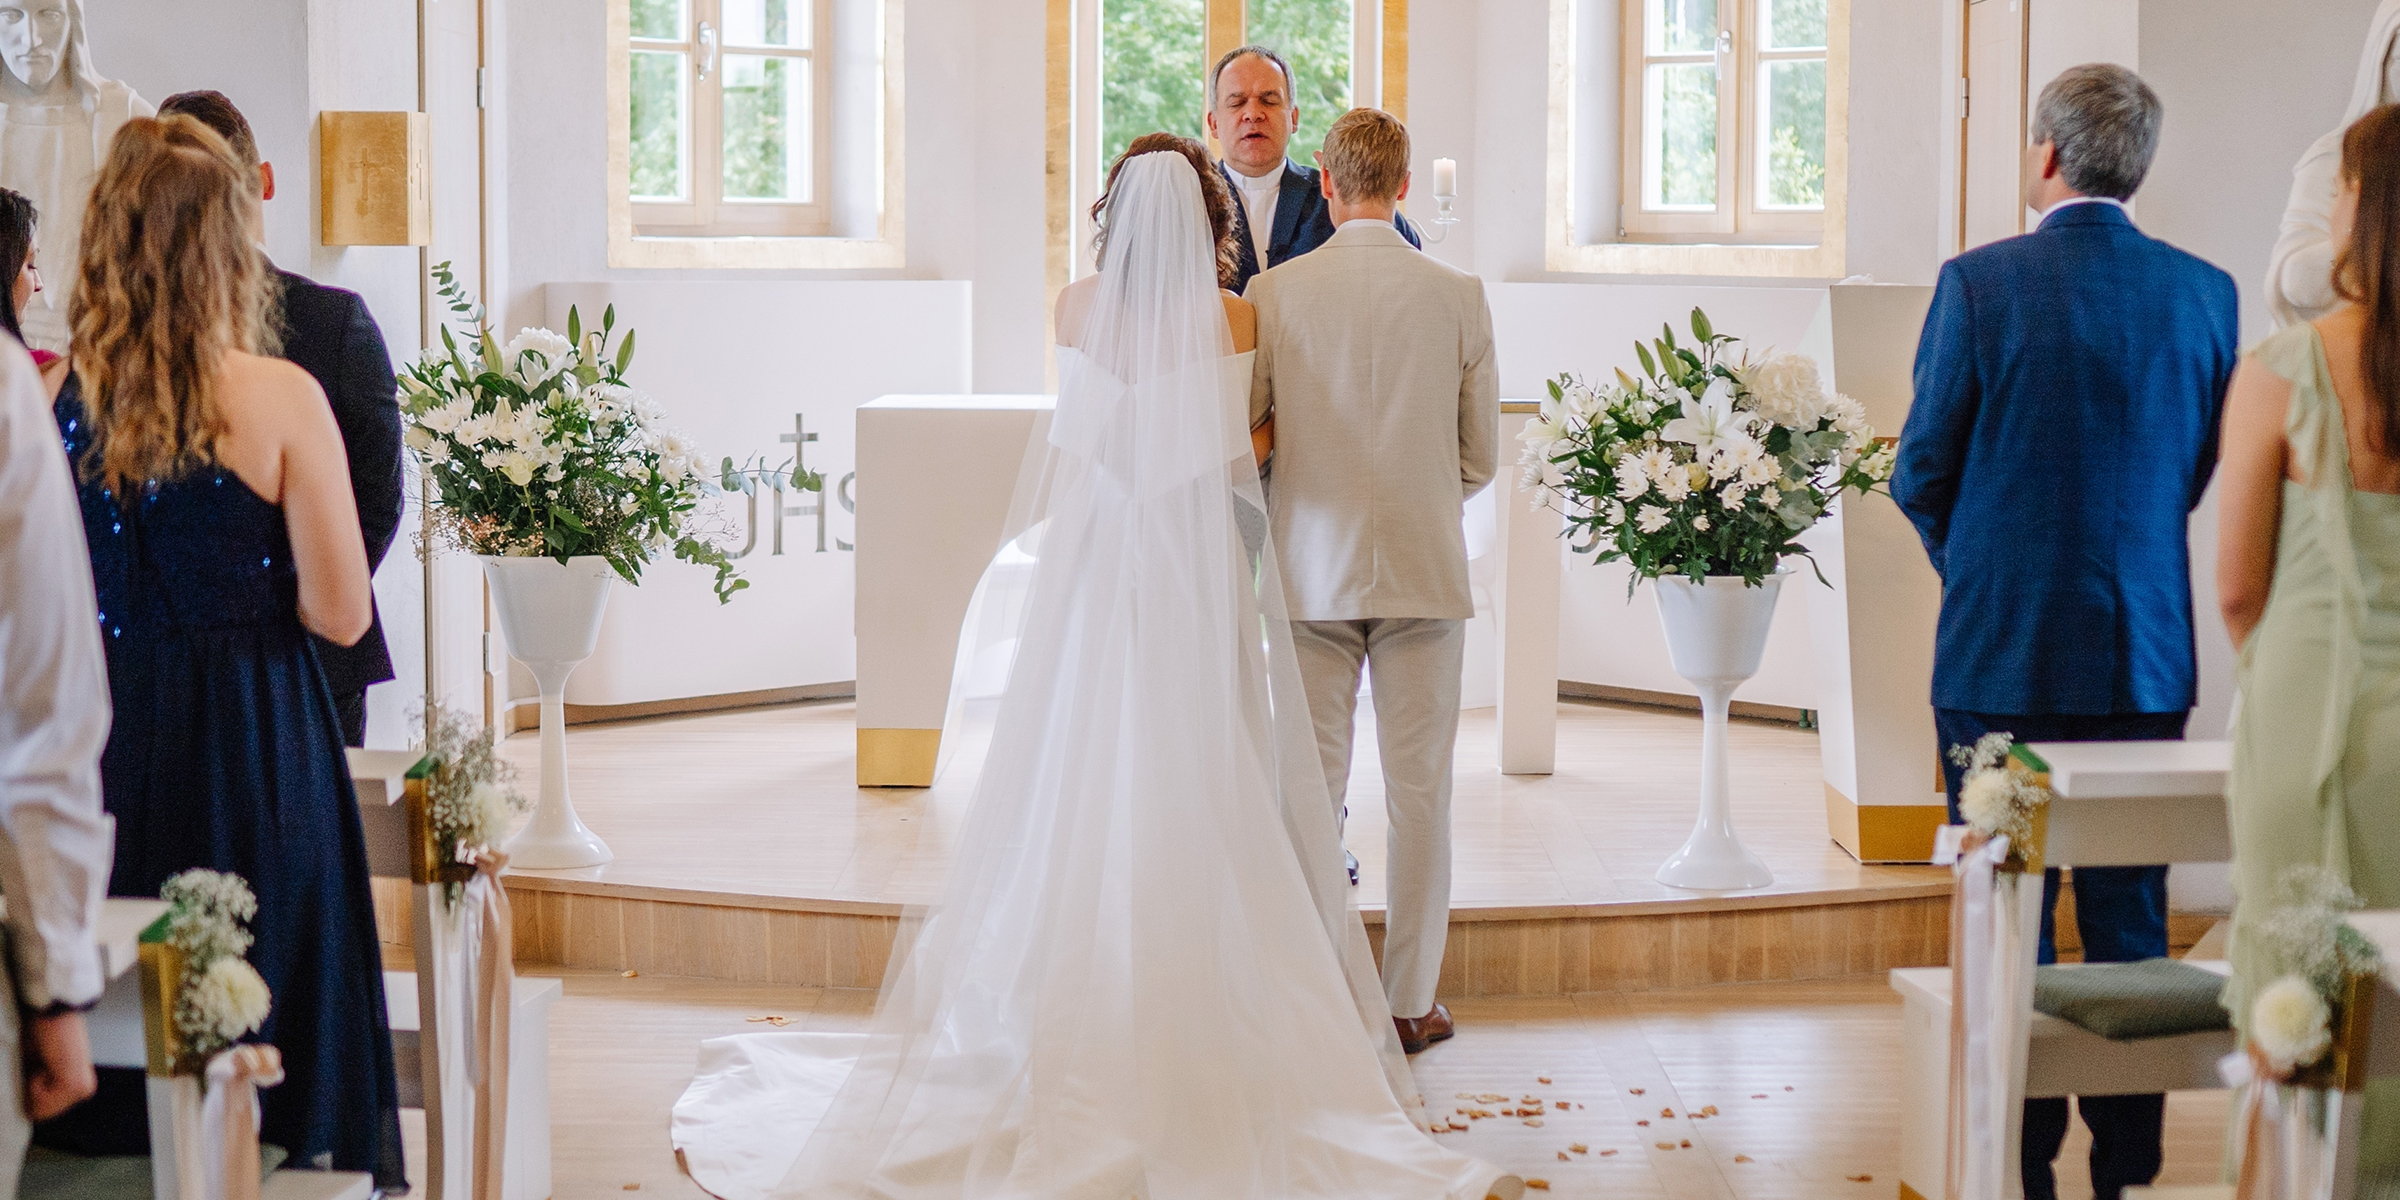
{"x": 745, "y": 853}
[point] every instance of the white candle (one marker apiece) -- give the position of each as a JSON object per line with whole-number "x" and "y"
{"x": 1445, "y": 177}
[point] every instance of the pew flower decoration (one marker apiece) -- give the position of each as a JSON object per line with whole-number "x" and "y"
{"x": 539, "y": 447}
{"x": 1705, "y": 464}
{"x": 1995, "y": 800}
{"x": 2307, "y": 935}
{"x": 221, "y": 998}
{"x": 470, "y": 795}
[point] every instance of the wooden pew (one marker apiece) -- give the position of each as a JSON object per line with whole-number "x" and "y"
{"x": 2117, "y": 804}
{"x": 119, "y": 1039}
{"x": 431, "y": 1055}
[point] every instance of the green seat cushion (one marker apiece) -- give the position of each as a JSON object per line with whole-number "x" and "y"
{"x": 57, "y": 1176}
{"x": 2157, "y": 997}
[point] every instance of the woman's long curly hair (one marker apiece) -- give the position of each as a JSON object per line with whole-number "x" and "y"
{"x": 168, "y": 284}
{"x": 1213, "y": 192}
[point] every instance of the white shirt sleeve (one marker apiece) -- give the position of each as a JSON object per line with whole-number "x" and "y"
{"x": 55, "y": 841}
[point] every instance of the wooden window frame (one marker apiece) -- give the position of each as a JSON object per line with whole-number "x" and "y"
{"x": 704, "y": 211}
{"x": 1742, "y": 64}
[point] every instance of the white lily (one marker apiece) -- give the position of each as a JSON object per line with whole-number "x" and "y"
{"x": 1709, "y": 420}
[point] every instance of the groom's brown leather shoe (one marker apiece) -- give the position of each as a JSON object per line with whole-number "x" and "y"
{"x": 1416, "y": 1033}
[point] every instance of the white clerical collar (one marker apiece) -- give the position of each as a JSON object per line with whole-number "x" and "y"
{"x": 1362, "y": 221}
{"x": 1263, "y": 183}
{"x": 2072, "y": 201}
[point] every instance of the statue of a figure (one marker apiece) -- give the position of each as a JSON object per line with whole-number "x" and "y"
{"x": 57, "y": 117}
{"x": 2300, "y": 275}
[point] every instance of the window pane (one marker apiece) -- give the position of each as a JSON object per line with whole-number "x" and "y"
{"x": 1314, "y": 36}
{"x": 661, "y": 19}
{"x": 1793, "y": 24}
{"x": 1152, "y": 79}
{"x": 1682, "y": 26}
{"x": 766, "y": 128}
{"x": 1679, "y": 151}
{"x": 1793, "y": 173}
{"x": 658, "y": 126}
{"x": 767, "y": 23}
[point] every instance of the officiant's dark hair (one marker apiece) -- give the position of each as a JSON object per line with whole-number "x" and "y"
{"x": 2367, "y": 271}
{"x": 1289, "y": 96}
{"x": 1213, "y": 192}
{"x": 17, "y": 219}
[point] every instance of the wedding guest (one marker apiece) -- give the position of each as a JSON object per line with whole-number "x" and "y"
{"x": 217, "y": 513}
{"x": 17, "y": 220}
{"x": 2067, "y": 392}
{"x": 2308, "y": 575}
{"x": 54, "y": 841}
{"x": 1376, "y": 363}
{"x": 330, "y": 333}
{"x": 1253, "y": 112}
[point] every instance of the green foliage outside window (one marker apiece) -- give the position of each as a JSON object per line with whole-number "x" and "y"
{"x": 657, "y": 144}
{"x": 1796, "y": 145}
{"x": 661, "y": 19}
{"x": 762, "y": 95}
{"x": 1687, "y": 133}
{"x": 1152, "y": 78}
{"x": 1314, "y": 36}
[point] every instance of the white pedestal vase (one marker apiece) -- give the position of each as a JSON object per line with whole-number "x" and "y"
{"x": 1716, "y": 632}
{"x": 550, "y": 614}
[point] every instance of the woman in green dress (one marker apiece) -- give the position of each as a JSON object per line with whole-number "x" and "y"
{"x": 2308, "y": 573}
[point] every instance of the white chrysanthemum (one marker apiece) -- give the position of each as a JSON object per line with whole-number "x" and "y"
{"x": 1760, "y": 471}
{"x": 1770, "y": 497}
{"x": 553, "y": 348}
{"x": 228, "y": 999}
{"x": 2291, "y": 1023}
{"x": 418, "y": 438}
{"x": 1651, "y": 519}
{"x": 1657, "y": 463}
{"x": 1988, "y": 799}
{"x": 1850, "y": 417}
{"x": 1677, "y": 484}
{"x": 1700, "y": 523}
{"x": 1632, "y": 481}
{"x": 1786, "y": 390}
{"x": 444, "y": 418}
{"x": 1723, "y": 464}
{"x": 1732, "y": 496}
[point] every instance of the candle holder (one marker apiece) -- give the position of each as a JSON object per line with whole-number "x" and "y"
{"x": 1442, "y": 219}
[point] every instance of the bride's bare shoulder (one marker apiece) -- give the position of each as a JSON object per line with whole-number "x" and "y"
{"x": 1074, "y": 308}
{"x": 1241, "y": 317}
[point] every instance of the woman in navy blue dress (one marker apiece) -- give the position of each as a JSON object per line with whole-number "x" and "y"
{"x": 216, "y": 502}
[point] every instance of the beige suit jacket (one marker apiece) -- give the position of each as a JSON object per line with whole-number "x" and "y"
{"x": 1377, "y": 363}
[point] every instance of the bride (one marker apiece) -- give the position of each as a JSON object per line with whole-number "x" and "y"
{"x": 1143, "y": 979}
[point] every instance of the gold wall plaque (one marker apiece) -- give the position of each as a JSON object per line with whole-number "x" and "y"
{"x": 377, "y": 189}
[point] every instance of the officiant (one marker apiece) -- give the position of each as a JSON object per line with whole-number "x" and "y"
{"x": 1252, "y": 113}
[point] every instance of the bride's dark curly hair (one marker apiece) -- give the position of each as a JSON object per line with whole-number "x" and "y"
{"x": 1213, "y": 192}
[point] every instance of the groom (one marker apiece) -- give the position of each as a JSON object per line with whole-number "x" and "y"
{"x": 1375, "y": 363}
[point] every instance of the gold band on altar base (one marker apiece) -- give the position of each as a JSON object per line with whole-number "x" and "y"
{"x": 1883, "y": 833}
{"x": 898, "y": 757}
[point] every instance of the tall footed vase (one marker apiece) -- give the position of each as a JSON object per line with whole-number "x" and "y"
{"x": 1716, "y": 632}
{"x": 550, "y": 614}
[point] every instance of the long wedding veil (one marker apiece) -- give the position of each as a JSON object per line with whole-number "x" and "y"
{"x": 1114, "y": 961}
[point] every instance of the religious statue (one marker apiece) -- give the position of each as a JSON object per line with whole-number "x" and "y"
{"x": 57, "y": 118}
{"x": 2300, "y": 274}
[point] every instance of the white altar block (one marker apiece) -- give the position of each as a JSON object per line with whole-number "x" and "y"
{"x": 1527, "y": 607}
{"x": 1874, "y": 628}
{"x": 942, "y": 470}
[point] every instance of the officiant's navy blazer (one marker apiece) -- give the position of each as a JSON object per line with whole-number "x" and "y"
{"x": 2068, "y": 386}
{"x": 1302, "y": 222}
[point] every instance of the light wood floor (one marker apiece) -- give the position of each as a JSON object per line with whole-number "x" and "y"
{"x": 623, "y": 1049}
{"x": 762, "y": 802}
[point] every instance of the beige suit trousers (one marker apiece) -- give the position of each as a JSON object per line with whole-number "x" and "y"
{"x": 1415, "y": 663}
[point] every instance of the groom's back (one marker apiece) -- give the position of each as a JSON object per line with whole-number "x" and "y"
{"x": 1378, "y": 362}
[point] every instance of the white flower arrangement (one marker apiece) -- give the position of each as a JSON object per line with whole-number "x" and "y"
{"x": 1994, "y": 800}
{"x": 222, "y": 997}
{"x": 470, "y": 797}
{"x": 1703, "y": 466}
{"x": 2307, "y": 935}
{"x": 540, "y": 448}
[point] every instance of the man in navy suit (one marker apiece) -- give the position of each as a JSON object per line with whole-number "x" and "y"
{"x": 1280, "y": 212}
{"x": 2068, "y": 387}
{"x": 329, "y": 333}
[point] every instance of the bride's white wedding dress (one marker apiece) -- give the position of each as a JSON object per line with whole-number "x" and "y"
{"x": 1143, "y": 979}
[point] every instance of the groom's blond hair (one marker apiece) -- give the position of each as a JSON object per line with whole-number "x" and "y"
{"x": 1366, "y": 152}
